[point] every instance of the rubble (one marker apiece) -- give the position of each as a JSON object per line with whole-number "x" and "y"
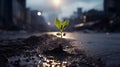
{"x": 36, "y": 51}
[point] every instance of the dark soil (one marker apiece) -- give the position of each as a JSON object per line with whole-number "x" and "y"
{"x": 48, "y": 45}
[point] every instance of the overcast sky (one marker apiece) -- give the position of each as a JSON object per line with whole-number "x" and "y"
{"x": 65, "y": 9}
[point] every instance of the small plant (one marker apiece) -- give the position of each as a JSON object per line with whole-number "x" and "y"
{"x": 61, "y": 26}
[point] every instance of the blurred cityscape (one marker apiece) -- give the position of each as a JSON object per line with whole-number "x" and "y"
{"x": 15, "y": 16}
{"x": 28, "y": 34}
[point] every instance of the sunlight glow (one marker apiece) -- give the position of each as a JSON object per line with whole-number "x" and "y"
{"x": 68, "y": 35}
{"x": 56, "y": 2}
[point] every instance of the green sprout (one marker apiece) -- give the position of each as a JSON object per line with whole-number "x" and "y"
{"x": 61, "y": 26}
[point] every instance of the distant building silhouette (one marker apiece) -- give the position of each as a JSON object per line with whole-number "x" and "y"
{"x": 76, "y": 18}
{"x": 79, "y": 10}
{"x": 12, "y": 14}
{"x": 28, "y": 19}
{"x": 112, "y": 7}
{"x": 112, "y": 11}
{"x": 93, "y": 15}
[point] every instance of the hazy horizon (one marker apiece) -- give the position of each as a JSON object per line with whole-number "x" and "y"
{"x": 67, "y": 8}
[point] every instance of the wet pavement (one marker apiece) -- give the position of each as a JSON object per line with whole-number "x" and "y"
{"x": 103, "y": 45}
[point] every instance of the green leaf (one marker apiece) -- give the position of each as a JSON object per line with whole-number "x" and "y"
{"x": 58, "y": 23}
{"x": 58, "y": 33}
{"x": 65, "y": 23}
{"x": 61, "y": 27}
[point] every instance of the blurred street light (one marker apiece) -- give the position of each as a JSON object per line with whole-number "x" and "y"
{"x": 39, "y": 13}
{"x": 49, "y": 23}
{"x": 111, "y": 21}
{"x": 84, "y": 18}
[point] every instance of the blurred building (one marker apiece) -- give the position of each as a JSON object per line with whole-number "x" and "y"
{"x": 93, "y": 15}
{"x": 12, "y": 14}
{"x": 76, "y": 18}
{"x": 79, "y": 10}
{"x": 28, "y": 19}
{"x": 112, "y": 7}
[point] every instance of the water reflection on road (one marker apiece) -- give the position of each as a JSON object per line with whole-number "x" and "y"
{"x": 104, "y": 45}
{"x": 95, "y": 43}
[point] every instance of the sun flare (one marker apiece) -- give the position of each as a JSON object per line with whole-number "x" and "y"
{"x": 56, "y": 2}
